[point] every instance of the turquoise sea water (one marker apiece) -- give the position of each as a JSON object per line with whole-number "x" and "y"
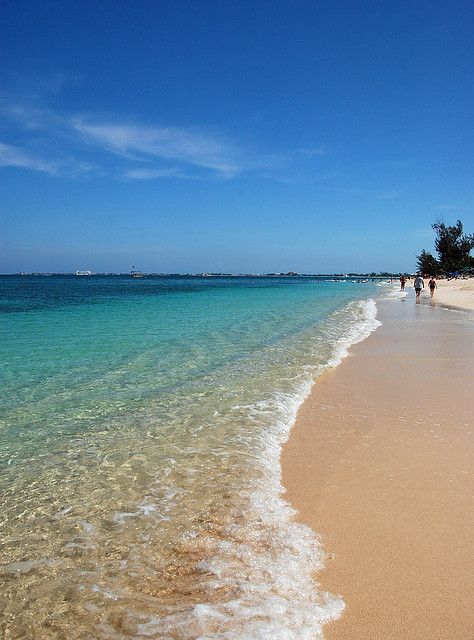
{"x": 140, "y": 428}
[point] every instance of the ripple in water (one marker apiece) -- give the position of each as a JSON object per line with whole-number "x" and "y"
{"x": 154, "y": 508}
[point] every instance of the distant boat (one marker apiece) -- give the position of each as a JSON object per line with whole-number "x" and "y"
{"x": 83, "y": 273}
{"x": 135, "y": 273}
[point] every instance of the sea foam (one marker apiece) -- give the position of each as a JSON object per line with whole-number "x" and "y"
{"x": 261, "y": 557}
{"x": 147, "y": 499}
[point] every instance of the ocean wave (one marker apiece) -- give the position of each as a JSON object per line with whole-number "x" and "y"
{"x": 391, "y": 291}
{"x": 170, "y": 520}
{"x": 261, "y": 560}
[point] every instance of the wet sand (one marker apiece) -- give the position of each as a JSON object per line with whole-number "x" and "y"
{"x": 380, "y": 464}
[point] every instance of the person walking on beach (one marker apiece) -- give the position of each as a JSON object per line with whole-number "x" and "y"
{"x": 432, "y": 285}
{"x": 402, "y": 283}
{"x": 418, "y": 284}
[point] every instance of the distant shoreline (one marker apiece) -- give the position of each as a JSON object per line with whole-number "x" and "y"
{"x": 377, "y": 276}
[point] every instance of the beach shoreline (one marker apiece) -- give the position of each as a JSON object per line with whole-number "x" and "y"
{"x": 378, "y": 464}
{"x": 457, "y": 294}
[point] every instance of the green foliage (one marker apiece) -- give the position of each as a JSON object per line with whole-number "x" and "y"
{"x": 454, "y": 251}
{"x": 427, "y": 264}
{"x": 453, "y": 246}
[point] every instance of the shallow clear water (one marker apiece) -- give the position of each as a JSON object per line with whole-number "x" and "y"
{"x": 140, "y": 430}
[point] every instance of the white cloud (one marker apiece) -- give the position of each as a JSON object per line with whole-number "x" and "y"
{"x": 152, "y": 174}
{"x": 74, "y": 145}
{"x": 14, "y": 157}
{"x": 308, "y": 154}
{"x": 168, "y": 143}
{"x": 11, "y": 156}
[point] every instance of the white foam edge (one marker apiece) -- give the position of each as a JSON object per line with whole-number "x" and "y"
{"x": 298, "y": 571}
{"x": 261, "y": 612}
{"x": 392, "y": 290}
{"x": 278, "y": 597}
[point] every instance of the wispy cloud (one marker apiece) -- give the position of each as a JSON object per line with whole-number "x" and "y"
{"x": 41, "y": 139}
{"x": 153, "y": 174}
{"x": 30, "y": 118}
{"x": 312, "y": 152}
{"x": 70, "y": 167}
{"x": 11, "y": 156}
{"x": 197, "y": 149}
{"x": 164, "y": 143}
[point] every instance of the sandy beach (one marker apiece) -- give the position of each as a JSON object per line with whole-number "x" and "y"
{"x": 379, "y": 463}
{"x": 456, "y": 293}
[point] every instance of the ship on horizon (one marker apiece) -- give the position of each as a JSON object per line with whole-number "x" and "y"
{"x": 83, "y": 273}
{"x": 136, "y": 273}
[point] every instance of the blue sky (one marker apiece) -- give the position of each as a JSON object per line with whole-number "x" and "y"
{"x": 232, "y": 136}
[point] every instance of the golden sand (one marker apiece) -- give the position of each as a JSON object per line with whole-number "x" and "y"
{"x": 456, "y": 293}
{"x": 380, "y": 464}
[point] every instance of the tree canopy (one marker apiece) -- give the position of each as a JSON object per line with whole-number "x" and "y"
{"x": 426, "y": 263}
{"x": 453, "y": 247}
